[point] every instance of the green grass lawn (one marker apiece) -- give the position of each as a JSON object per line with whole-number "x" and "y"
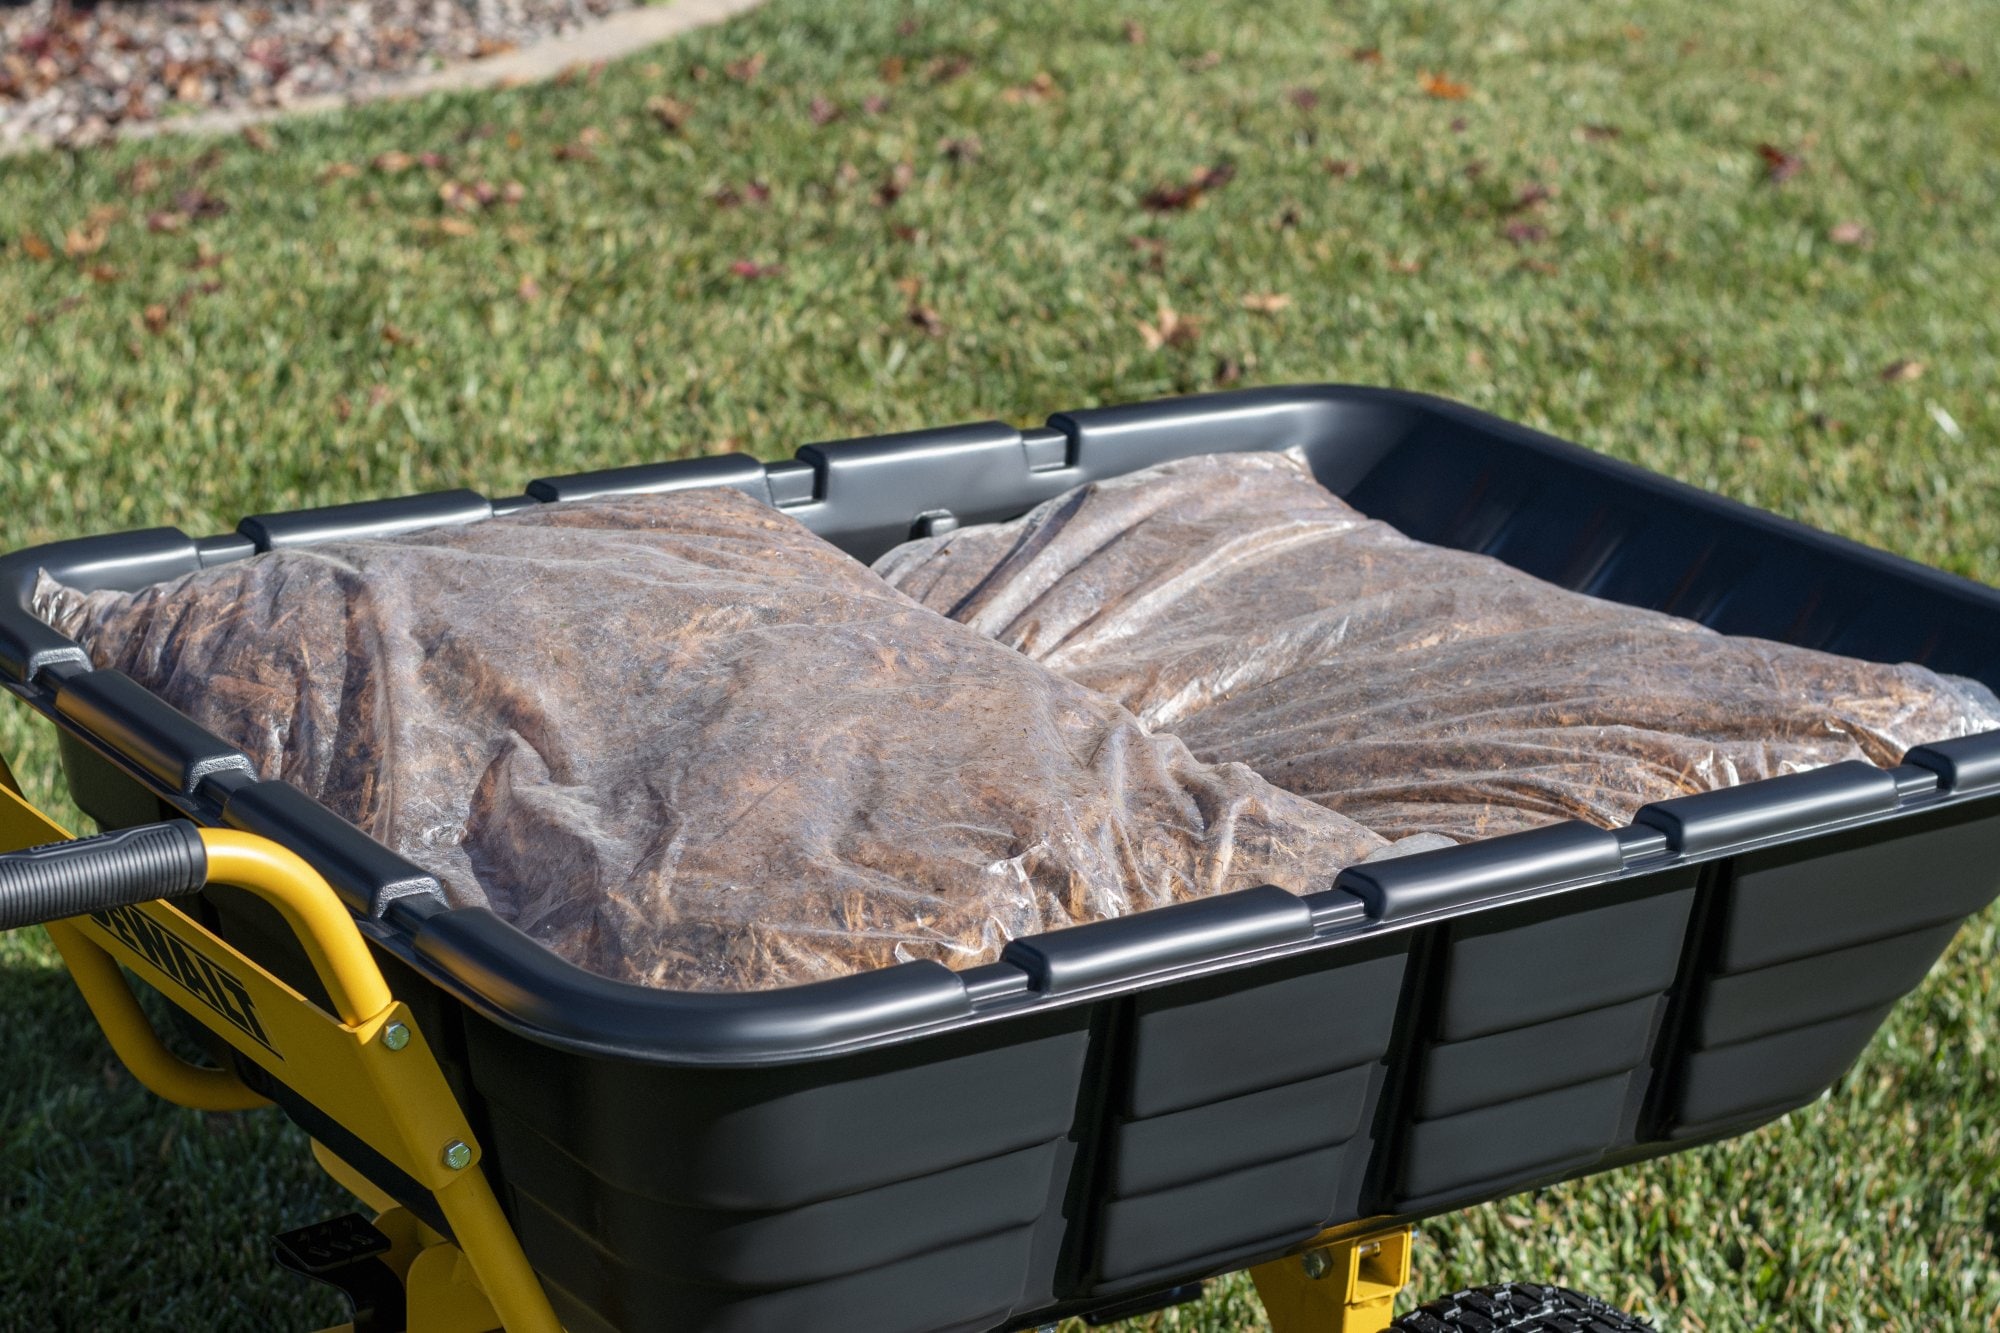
{"x": 1754, "y": 246}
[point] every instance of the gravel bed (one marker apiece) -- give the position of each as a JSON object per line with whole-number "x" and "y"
{"x": 77, "y": 74}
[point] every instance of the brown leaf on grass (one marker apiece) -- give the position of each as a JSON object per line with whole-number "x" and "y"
{"x": 1305, "y": 99}
{"x": 1902, "y": 372}
{"x": 891, "y": 70}
{"x": 337, "y": 171}
{"x": 746, "y": 69}
{"x": 926, "y": 318}
{"x": 943, "y": 69}
{"x": 1267, "y": 303}
{"x": 155, "y": 318}
{"x": 1779, "y": 165}
{"x": 893, "y": 185}
{"x": 754, "y": 192}
{"x": 102, "y": 273}
{"x": 166, "y": 222}
{"x": 1404, "y": 266}
{"x": 905, "y": 233}
{"x": 749, "y": 269}
{"x": 670, "y": 113}
{"x": 392, "y": 163}
{"x": 199, "y": 204}
{"x": 1228, "y": 370}
{"x": 1600, "y": 133}
{"x": 963, "y": 150}
{"x": 1366, "y": 55}
{"x": 1340, "y": 168}
{"x": 1135, "y": 32}
{"x": 1041, "y": 88}
{"x": 874, "y": 104}
{"x": 1532, "y": 195}
{"x": 487, "y": 47}
{"x": 823, "y": 111}
{"x": 1850, "y": 233}
{"x": 1525, "y": 233}
{"x": 1168, "y": 328}
{"x": 1955, "y": 68}
{"x": 458, "y": 227}
{"x": 1441, "y": 87}
{"x": 1202, "y": 63}
{"x": 88, "y": 237}
{"x": 142, "y": 176}
{"x": 528, "y": 289}
{"x": 257, "y": 137}
{"x": 583, "y": 148}
{"x": 342, "y": 409}
{"x": 1169, "y": 197}
{"x": 394, "y": 336}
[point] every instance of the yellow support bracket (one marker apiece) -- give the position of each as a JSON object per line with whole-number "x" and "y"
{"x": 1344, "y": 1286}
{"x": 366, "y": 1064}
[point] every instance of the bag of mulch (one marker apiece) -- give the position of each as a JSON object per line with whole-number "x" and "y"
{"x": 684, "y": 742}
{"x": 1236, "y": 603}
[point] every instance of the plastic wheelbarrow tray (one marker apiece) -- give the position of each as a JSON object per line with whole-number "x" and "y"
{"x": 1123, "y": 1108}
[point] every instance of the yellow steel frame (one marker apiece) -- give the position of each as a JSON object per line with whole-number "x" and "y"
{"x": 389, "y": 1092}
{"x": 366, "y": 1064}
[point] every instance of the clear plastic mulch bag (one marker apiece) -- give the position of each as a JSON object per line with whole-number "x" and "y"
{"x": 682, "y": 741}
{"x": 1236, "y": 603}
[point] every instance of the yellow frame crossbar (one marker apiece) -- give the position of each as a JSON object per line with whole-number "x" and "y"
{"x": 1341, "y": 1286}
{"x": 366, "y": 1064}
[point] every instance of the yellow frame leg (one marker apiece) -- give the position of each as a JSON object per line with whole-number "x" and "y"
{"x": 366, "y": 1064}
{"x": 1345, "y": 1286}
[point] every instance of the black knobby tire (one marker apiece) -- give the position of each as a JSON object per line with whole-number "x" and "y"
{"x": 1519, "y": 1307}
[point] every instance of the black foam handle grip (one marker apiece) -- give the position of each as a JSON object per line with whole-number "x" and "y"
{"x": 135, "y": 865}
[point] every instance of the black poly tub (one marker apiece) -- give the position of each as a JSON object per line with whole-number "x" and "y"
{"x": 1128, "y": 1106}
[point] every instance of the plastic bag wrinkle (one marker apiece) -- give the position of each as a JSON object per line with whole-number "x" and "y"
{"x": 684, "y": 742}
{"x": 1238, "y": 604}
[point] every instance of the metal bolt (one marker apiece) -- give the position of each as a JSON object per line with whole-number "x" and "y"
{"x": 457, "y": 1156}
{"x": 395, "y": 1036}
{"x": 1317, "y": 1264}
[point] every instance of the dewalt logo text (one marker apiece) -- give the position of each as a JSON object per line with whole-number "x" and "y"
{"x": 196, "y": 974}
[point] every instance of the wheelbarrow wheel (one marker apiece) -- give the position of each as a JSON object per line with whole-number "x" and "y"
{"x": 1519, "y": 1307}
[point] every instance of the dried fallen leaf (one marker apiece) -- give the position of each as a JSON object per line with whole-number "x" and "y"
{"x": 336, "y": 171}
{"x": 1601, "y": 133}
{"x": 893, "y": 185}
{"x": 392, "y": 163}
{"x": 87, "y": 238}
{"x": 891, "y": 69}
{"x": 528, "y": 289}
{"x": 1202, "y": 63}
{"x": 456, "y": 227}
{"x": 1525, "y": 233}
{"x": 1902, "y": 372}
{"x": 1228, "y": 370}
{"x": 1305, "y": 99}
{"x": 1168, "y": 328}
{"x": 926, "y": 318}
{"x": 823, "y": 111}
{"x": 1849, "y": 233}
{"x": 1341, "y": 168}
{"x": 257, "y": 137}
{"x": 746, "y": 69}
{"x": 730, "y": 196}
{"x": 1171, "y": 198}
{"x": 1532, "y": 195}
{"x": 670, "y": 113}
{"x": 394, "y": 336}
{"x": 155, "y": 318}
{"x": 962, "y": 150}
{"x": 1041, "y": 88}
{"x": 1366, "y": 55}
{"x": 1445, "y": 89}
{"x": 102, "y": 273}
{"x": 874, "y": 104}
{"x": 1135, "y": 33}
{"x": 1267, "y": 303}
{"x": 1779, "y": 165}
{"x": 944, "y": 69}
{"x": 166, "y": 221}
{"x": 198, "y": 204}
